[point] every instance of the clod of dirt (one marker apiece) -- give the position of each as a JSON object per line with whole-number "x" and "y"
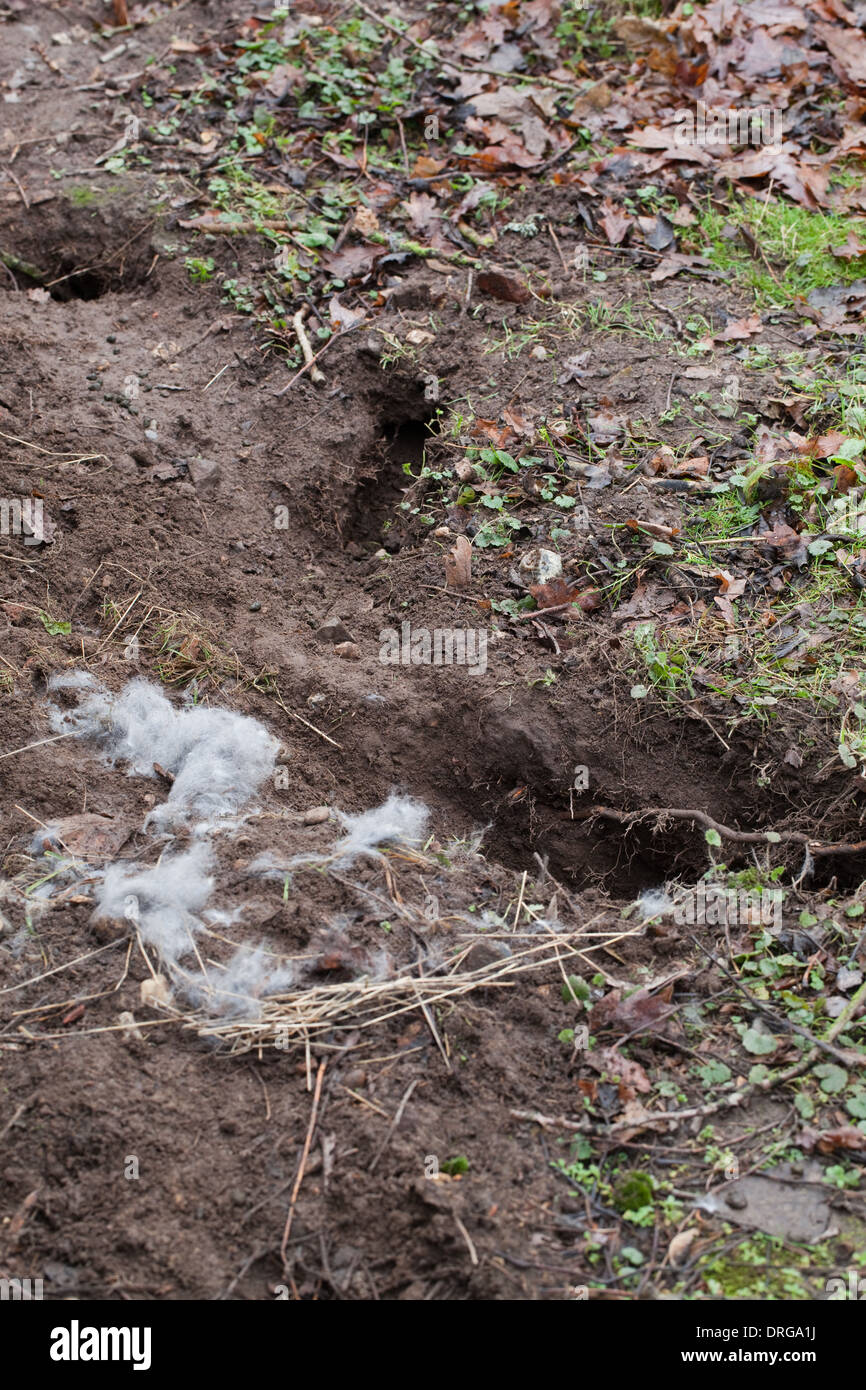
{"x": 86, "y": 836}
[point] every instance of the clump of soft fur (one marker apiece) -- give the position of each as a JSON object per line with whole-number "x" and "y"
{"x": 163, "y": 902}
{"x": 218, "y": 759}
{"x": 399, "y": 820}
{"x": 655, "y": 902}
{"x": 250, "y": 976}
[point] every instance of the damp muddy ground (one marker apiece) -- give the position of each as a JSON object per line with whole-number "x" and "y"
{"x": 564, "y": 1083}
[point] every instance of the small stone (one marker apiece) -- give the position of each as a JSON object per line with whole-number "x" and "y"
{"x": 736, "y": 1201}
{"x": 349, "y": 651}
{"x": 205, "y": 474}
{"x": 317, "y": 815}
{"x": 255, "y": 607}
{"x": 543, "y": 565}
{"x": 539, "y": 353}
{"x": 333, "y": 631}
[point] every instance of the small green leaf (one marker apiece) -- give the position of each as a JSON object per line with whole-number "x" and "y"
{"x": 856, "y": 1105}
{"x": 634, "y": 1257}
{"x": 714, "y": 1074}
{"x": 574, "y": 989}
{"x": 832, "y": 1078}
{"x": 759, "y": 1044}
{"x": 53, "y": 627}
{"x": 847, "y": 756}
{"x": 820, "y": 547}
{"x": 849, "y": 449}
{"x": 713, "y": 838}
{"x": 639, "y": 692}
{"x": 662, "y": 548}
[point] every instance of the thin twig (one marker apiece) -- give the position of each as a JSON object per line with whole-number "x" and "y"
{"x": 38, "y": 744}
{"x": 304, "y": 1156}
{"x": 333, "y": 339}
{"x": 745, "y": 837}
{"x": 393, "y": 1125}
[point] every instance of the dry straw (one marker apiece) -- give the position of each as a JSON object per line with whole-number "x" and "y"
{"x": 301, "y": 1015}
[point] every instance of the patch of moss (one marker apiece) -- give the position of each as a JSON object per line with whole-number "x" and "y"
{"x": 632, "y": 1191}
{"x": 764, "y": 1267}
{"x": 83, "y": 197}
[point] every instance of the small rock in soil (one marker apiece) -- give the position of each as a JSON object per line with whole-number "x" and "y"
{"x": 334, "y": 631}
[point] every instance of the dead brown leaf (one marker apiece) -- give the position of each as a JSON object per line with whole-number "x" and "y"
{"x": 458, "y": 564}
{"x": 615, "y": 221}
{"x": 504, "y": 287}
{"x": 827, "y": 1140}
{"x": 852, "y": 248}
{"x": 89, "y": 836}
{"x": 641, "y": 1012}
{"x": 629, "y": 1073}
{"x": 848, "y": 48}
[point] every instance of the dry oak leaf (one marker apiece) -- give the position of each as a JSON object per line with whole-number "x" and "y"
{"x": 826, "y": 1140}
{"x": 504, "y": 287}
{"x": 629, "y": 1073}
{"x": 615, "y": 221}
{"x": 848, "y": 48}
{"x": 641, "y": 1012}
{"x": 458, "y": 564}
{"x": 89, "y": 836}
{"x": 557, "y": 592}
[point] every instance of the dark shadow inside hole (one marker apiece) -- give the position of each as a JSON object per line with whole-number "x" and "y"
{"x": 625, "y": 863}
{"x": 88, "y": 284}
{"x": 376, "y": 510}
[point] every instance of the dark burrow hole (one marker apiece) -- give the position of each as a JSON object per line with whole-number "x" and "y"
{"x": 75, "y": 253}
{"x": 623, "y": 861}
{"x": 375, "y": 518}
{"x": 582, "y": 849}
{"x": 70, "y": 277}
{"x": 628, "y": 860}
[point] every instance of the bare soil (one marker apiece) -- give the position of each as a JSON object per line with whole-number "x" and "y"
{"x": 147, "y": 527}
